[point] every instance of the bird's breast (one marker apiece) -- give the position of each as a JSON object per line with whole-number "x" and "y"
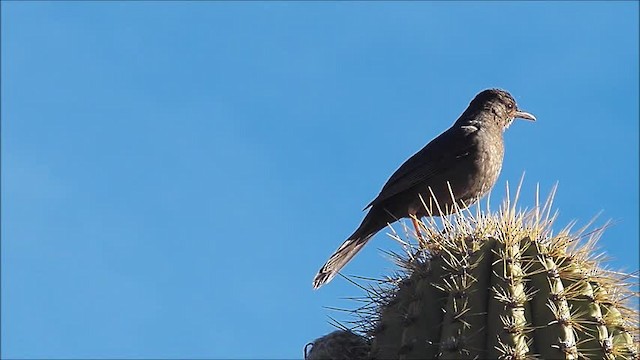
{"x": 488, "y": 164}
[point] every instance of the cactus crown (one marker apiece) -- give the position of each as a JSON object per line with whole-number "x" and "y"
{"x": 501, "y": 285}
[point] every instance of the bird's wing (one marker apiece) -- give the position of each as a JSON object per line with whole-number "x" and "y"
{"x": 444, "y": 152}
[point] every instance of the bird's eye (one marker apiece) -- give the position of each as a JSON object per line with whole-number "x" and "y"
{"x": 510, "y": 106}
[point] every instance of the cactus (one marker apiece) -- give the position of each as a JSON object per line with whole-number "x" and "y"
{"x": 339, "y": 345}
{"x": 484, "y": 285}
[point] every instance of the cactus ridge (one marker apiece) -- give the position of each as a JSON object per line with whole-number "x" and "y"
{"x": 501, "y": 285}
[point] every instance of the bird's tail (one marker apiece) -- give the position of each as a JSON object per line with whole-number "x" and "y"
{"x": 339, "y": 259}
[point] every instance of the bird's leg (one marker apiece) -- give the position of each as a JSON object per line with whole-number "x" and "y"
{"x": 416, "y": 226}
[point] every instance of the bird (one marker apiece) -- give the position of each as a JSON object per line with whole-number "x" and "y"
{"x": 462, "y": 163}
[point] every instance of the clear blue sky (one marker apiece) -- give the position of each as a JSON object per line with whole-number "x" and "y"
{"x": 174, "y": 173}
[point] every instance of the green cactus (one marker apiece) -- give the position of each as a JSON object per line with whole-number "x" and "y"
{"x": 339, "y": 345}
{"x": 502, "y": 286}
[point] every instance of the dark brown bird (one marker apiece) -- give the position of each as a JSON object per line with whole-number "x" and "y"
{"x": 467, "y": 158}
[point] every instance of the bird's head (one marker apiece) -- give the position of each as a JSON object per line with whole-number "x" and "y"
{"x": 501, "y": 107}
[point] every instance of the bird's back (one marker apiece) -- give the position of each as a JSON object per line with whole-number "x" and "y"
{"x": 465, "y": 160}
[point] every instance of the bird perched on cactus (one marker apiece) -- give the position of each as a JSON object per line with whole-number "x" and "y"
{"x": 462, "y": 163}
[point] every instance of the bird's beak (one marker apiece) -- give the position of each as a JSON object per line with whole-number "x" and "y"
{"x": 525, "y": 115}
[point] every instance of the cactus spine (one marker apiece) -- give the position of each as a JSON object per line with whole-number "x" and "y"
{"x": 502, "y": 286}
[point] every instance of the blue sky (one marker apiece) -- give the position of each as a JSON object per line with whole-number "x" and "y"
{"x": 174, "y": 173}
